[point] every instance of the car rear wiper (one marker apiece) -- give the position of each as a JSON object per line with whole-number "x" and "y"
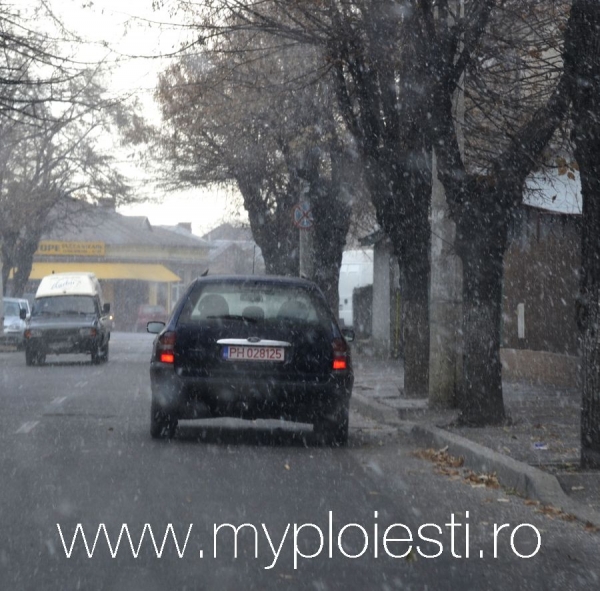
{"x": 234, "y": 317}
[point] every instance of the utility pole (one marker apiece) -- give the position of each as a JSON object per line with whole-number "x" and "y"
{"x": 445, "y": 296}
{"x": 1, "y": 303}
{"x": 303, "y": 220}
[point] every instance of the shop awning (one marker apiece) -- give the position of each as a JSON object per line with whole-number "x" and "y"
{"x": 131, "y": 271}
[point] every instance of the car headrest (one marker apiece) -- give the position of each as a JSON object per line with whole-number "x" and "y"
{"x": 213, "y": 305}
{"x": 293, "y": 309}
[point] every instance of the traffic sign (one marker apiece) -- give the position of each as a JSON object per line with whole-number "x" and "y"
{"x": 303, "y": 217}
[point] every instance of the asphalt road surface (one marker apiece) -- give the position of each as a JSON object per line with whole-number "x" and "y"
{"x": 76, "y": 456}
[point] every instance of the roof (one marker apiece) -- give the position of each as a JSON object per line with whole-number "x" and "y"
{"x": 68, "y": 284}
{"x": 220, "y": 246}
{"x": 228, "y": 231}
{"x": 276, "y": 279}
{"x": 373, "y": 238}
{"x": 137, "y": 271}
{"x": 555, "y": 192}
{"x": 76, "y": 220}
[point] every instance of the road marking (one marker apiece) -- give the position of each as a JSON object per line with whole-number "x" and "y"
{"x": 26, "y": 427}
{"x": 59, "y": 400}
{"x": 81, "y": 384}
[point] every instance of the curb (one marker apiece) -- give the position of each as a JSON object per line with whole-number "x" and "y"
{"x": 526, "y": 480}
{"x": 375, "y": 410}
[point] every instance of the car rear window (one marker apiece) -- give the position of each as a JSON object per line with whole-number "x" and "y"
{"x": 254, "y": 301}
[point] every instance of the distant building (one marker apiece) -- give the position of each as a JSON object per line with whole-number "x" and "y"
{"x": 234, "y": 251}
{"x": 137, "y": 263}
{"x": 356, "y": 271}
{"x": 540, "y": 340}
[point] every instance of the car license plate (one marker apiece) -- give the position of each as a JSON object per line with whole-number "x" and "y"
{"x": 242, "y": 353}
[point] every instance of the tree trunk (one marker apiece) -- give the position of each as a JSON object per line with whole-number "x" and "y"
{"x": 481, "y": 242}
{"x": 582, "y": 65}
{"x": 590, "y": 407}
{"x": 8, "y": 247}
{"x": 331, "y": 222}
{"x": 415, "y": 267}
{"x": 273, "y": 231}
{"x": 402, "y": 207}
{"x": 589, "y": 319}
{"x": 23, "y": 263}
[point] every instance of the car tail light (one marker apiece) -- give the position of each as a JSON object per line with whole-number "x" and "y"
{"x": 165, "y": 347}
{"x": 88, "y": 332}
{"x": 340, "y": 354}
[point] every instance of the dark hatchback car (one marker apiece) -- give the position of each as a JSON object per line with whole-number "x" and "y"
{"x": 252, "y": 347}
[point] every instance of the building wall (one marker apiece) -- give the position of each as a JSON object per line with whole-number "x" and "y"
{"x": 541, "y": 283}
{"x": 381, "y": 318}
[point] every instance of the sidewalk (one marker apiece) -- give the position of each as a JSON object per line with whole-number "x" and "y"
{"x": 543, "y": 431}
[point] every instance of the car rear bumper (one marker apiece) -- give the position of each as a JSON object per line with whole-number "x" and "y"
{"x": 202, "y": 397}
{"x": 64, "y": 346}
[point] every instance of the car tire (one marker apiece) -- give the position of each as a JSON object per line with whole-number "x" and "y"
{"x": 96, "y": 356}
{"x": 30, "y": 357}
{"x": 334, "y": 433}
{"x": 104, "y": 356}
{"x": 162, "y": 424}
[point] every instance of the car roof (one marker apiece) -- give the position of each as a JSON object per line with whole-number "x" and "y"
{"x": 264, "y": 279}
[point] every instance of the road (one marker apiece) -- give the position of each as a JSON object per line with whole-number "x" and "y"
{"x": 75, "y": 449}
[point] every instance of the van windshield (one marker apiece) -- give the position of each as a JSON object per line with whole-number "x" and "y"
{"x": 59, "y": 305}
{"x": 11, "y": 309}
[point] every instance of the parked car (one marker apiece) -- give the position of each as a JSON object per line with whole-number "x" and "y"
{"x": 252, "y": 347}
{"x": 16, "y": 313}
{"x": 69, "y": 316}
{"x": 148, "y": 313}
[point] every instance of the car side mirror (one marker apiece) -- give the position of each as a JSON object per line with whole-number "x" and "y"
{"x": 155, "y": 327}
{"x": 22, "y": 314}
{"x": 106, "y": 308}
{"x": 348, "y": 334}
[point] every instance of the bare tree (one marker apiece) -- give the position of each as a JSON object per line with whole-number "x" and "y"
{"x": 47, "y": 157}
{"x": 484, "y": 197}
{"x": 398, "y": 68}
{"x": 248, "y": 112}
{"x": 367, "y": 48}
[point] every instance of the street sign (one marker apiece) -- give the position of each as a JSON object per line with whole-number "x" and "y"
{"x": 303, "y": 217}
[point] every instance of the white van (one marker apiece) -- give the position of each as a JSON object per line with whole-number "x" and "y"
{"x": 68, "y": 316}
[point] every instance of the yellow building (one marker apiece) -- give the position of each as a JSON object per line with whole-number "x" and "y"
{"x": 137, "y": 263}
